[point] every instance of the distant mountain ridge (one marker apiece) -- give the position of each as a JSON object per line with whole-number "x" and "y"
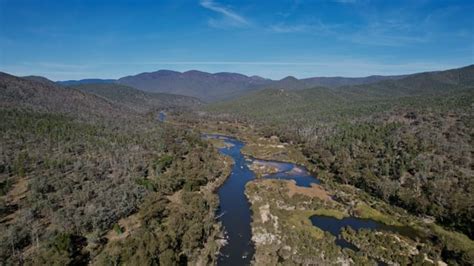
{"x": 211, "y": 87}
{"x": 203, "y": 85}
{"x": 85, "y": 81}
{"x": 291, "y": 82}
{"x": 425, "y": 83}
{"x": 221, "y": 86}
{"x": 322, "y": 101}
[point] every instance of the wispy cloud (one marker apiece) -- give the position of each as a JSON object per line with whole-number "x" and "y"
{"x": 310, "y": 28}
{"x": 374, "y": 29}
{"x": 388, "y": 32}
{"x": 227, "y": 16}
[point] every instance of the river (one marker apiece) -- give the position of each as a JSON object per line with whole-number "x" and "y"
{"x": 234, "y": 209}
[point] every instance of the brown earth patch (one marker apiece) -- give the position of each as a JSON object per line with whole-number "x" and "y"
{"x": 261, "y": 168}
{"x": 13, "y": 198}
{"x": 176, "y": 197}
{"x": 18, "y": 192}
{"x": 313, "y": 191}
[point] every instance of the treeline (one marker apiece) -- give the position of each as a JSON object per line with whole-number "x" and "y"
{"x": 419, "y": 161}
{"x": 65, "y": 183}
{"x": 412, "y": 151}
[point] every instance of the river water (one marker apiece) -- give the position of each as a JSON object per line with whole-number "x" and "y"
{"x": 234, "y": 209}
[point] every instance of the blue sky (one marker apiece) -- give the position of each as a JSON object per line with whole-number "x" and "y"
{"x": 71, "y": 39}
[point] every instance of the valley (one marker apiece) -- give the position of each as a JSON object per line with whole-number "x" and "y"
{"x": 220, "y": 132}
{"x": 294, "y": 218}
{"x": 103, "y": 173}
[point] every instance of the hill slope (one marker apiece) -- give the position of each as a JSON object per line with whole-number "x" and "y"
{"x": 205, "y": 86}
{"x": 427, "y": 83}
{"x": 74, "y": 166}
{"x": 39, "y": 95}
{"x": 220, "y": 86}
{"x": 406, "y": 141}
{"x": 329, "y": 82}
{"x": 331, "y": 103}
{"x": 138, "y": 100}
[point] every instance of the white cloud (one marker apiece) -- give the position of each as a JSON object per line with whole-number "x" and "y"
{"x": 375, "y": 30}
{"x": 282, "y": 28}
{"x": 228, "y": 17}
{"x": 310, "y": 28}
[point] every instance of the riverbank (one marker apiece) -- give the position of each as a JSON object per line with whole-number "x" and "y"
{"x": 400, "y": 249}
{"x": 216, "y": 240}
{"x": 256, "y": 146}
{"x": 283, "y": 232}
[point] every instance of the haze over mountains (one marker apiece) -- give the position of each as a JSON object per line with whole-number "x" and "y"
{"x": 206, "y": 86}
{"x": 85, "y": 81}
{"x": 168, "y": 89}
{"x": 220, "y": 86}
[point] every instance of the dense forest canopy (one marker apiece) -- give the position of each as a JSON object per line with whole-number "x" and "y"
{"x": 77, "y": 168}
{"x": 407, "y": 141}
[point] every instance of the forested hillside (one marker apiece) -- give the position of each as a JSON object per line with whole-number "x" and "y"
{"x": 138, "y": 100}
{"x": 292, "y": 83}
{"x": 40, "y": 95}
{"x": 205, "y": 86}
{"x": 219, "y": 86}
{"x": 408, "y": 141}
{"x": 86, "y": 180}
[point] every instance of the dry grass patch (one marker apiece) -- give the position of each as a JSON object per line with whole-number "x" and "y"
{"x": 17, "y": 192}
{"x": 315, "y": 191}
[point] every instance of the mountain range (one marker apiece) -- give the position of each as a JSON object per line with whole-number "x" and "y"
{"x": 205, "y": 86}
{"x": 210, "y": 87}
{"x": 330, "y": 103}
{"x": 166, "y": 89}
{"x": 85, "y": 81}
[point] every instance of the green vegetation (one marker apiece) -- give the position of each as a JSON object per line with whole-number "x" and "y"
{"x": 327, "y": 212}
{"x": 387, "y": 247}
{"x": 87, "y": 176}
{"x": 366, "y": 212}
{"x": 86, "y": 179}
{"x": 79, "y": 183}
{"x": 138, "y": 100}
{"x": 118, "y": 229}
{"x": 171, "y": 234}
{"x": 282, "y": 231}
{"x": 407, "y": 142}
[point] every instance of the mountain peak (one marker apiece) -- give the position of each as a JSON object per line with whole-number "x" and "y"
{"x": 289, "y": 78}
{"x": 195, "y": 83}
